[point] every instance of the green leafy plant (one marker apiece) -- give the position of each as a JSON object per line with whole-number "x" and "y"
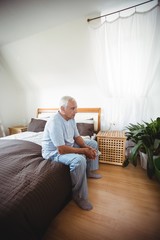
{"x": 146, "y": 138}
{"x": 157, "y": 167}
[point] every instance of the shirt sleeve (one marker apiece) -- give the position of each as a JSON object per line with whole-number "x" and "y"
{"x": 76, "y": 132}
{"x": 56, "y": 133}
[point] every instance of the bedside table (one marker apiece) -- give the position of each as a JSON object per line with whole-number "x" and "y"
{"x": 17, "y": 129}
{"x": 112, "y": 147}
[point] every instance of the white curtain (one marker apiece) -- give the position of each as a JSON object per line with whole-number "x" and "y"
{"x": 126, "y": 54}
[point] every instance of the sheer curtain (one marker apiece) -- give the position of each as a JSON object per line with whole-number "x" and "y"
{"x": 126, "y": 53}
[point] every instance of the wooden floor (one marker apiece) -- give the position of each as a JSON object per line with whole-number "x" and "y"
{"x": 126, "y": 205}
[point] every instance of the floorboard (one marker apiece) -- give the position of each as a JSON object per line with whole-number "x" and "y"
{"x": 126, "y": 206}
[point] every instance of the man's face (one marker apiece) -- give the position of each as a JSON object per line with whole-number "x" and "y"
{"x": 70, "y": 111}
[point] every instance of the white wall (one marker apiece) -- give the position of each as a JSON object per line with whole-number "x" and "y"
{"x": 12, "y": 101}
{"x": 52, "y": 64}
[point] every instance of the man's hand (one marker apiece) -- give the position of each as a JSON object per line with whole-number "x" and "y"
{"x": 90, "y": 153}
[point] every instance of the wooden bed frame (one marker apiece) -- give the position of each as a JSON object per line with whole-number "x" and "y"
{"x": 82, "y": 113}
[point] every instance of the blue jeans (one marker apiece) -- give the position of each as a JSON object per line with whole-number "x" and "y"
{"x": 78, "y": 165}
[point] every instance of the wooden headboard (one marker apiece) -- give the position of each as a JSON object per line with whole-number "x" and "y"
{"x": 82, "y": 113}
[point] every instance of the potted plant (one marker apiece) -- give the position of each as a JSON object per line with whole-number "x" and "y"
{"x": 134, "y": 133}
{"x": 157, "y": 167}
{"x": 146, "y": 138}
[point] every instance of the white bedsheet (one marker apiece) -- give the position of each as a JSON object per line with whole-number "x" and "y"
{"x": 35, "y": 137}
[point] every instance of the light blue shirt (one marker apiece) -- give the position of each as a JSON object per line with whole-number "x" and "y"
{"x": 58, "y": 132}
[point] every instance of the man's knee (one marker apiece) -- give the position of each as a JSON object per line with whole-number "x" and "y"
{"x": 95, "y": 144}
{"x": 92, "y": 143}
{"x": 79, "y": 162}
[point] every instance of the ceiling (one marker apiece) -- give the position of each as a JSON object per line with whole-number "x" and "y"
{"x": 22, "y": 18}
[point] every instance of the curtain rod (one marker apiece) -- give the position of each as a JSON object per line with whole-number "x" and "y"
{"x": 91, "y": 19}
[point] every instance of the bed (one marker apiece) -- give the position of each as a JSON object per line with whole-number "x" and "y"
{"x": 34, "y": 190}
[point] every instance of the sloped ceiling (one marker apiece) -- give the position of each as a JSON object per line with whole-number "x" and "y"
{"x": 22, "y": 18}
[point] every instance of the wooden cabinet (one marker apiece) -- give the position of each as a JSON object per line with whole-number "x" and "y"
{"x": 17, "y": 129}
{"x": 112, "y": 147}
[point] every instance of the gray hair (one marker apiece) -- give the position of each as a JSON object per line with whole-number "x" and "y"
{"x": 64, "y": 101}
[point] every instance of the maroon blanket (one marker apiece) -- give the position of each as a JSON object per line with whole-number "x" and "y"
{"x": 32, "y": 190}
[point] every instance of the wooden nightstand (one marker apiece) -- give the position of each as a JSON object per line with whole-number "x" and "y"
{"x": 112, "y": 147}
{"x": 17, "y": 129}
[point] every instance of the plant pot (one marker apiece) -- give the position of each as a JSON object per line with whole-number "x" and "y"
{"x": 143, "y": 160}
{"x": 157, "y": 167}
